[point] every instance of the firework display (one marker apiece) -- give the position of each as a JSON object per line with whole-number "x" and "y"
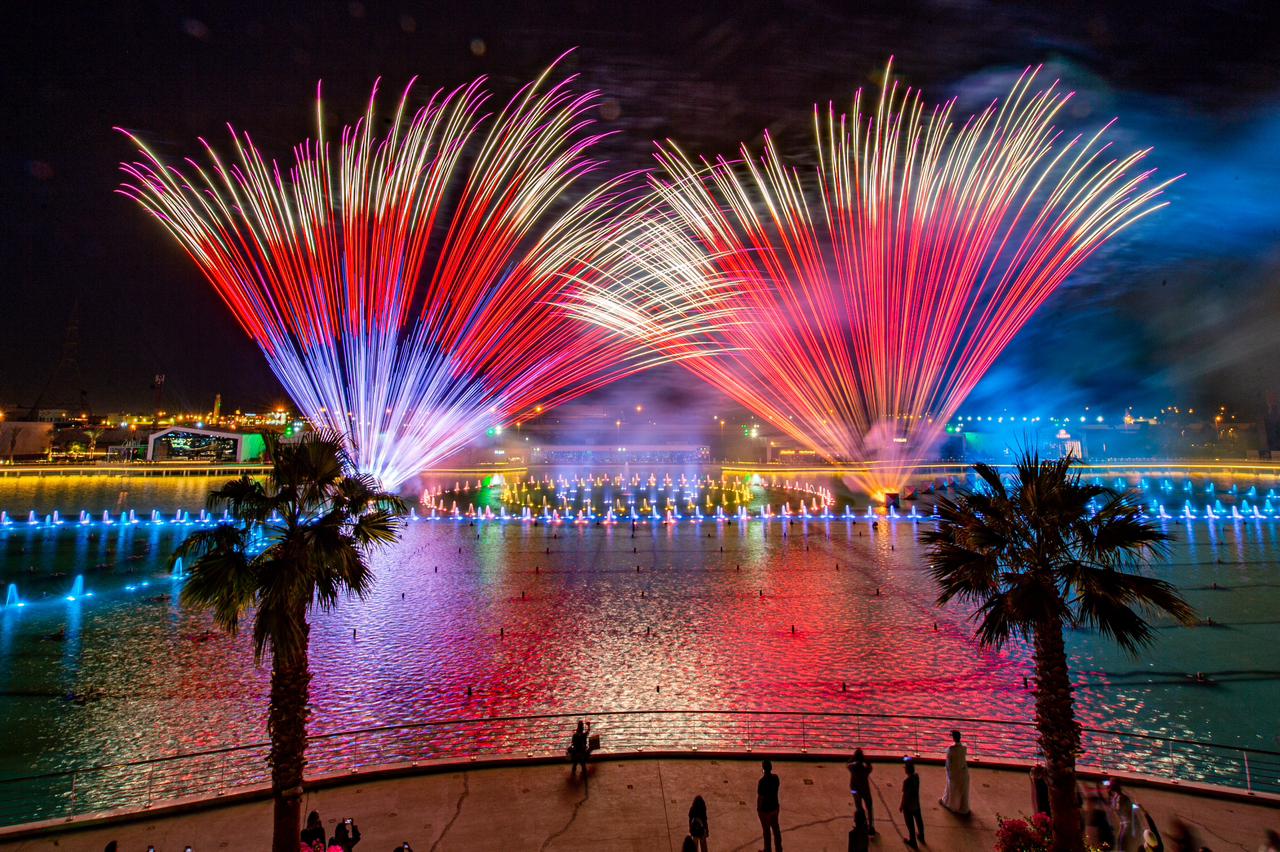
{"x": 405, "y": 286}
{"x": 872, "y": 292}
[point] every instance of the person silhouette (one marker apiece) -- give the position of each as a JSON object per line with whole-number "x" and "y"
{"x": 768, "y": 807}
{"x": 956, "y": 797}
{"x": 579, "y": 750}
{"x": 910, "y": 804}
{"x": 699, "y": 826}
{"x": 860, "y": 786}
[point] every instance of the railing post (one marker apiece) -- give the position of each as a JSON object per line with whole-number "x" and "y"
{"x": 804, "y": 734}
{"x": 1248, "y": 776}
{"x": 72, "y": 810}
{"x": 151, "y": 774}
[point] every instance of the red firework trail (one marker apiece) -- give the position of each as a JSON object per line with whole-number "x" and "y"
{"x": 406, "y": 288}
{"x": 870, "y": 295}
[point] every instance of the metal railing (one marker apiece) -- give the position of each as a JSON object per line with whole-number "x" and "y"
{"x": 138, "y": 785}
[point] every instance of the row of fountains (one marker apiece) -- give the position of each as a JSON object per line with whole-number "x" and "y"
{"x": 556, "y": 501}
{"x": 13, "y": 600}
{"x": 575, "y": 500}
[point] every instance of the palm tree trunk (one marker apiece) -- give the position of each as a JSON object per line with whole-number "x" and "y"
{"x": 1059, "y": 735}
{"x": 287, "y": 725}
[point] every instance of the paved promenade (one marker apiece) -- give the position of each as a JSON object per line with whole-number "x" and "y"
{"x": 641, "y": 805}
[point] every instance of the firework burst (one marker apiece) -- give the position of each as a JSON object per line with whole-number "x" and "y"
{"x": 406, "y": 287}
{"x": 872, "y": 293}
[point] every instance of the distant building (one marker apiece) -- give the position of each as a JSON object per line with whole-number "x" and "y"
{"x": 187, "y": 443}
{"x": 25, "y": 440}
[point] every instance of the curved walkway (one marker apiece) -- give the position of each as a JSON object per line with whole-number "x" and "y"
{"x": 638, "y": 804}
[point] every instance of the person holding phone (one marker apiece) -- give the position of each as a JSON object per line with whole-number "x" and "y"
{"x": 860, "y": 787}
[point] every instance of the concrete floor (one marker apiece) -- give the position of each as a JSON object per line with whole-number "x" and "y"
{"x": 641, "y": 805}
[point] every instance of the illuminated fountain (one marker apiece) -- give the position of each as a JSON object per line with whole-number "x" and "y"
{"x": 404, "y": 287}
{"x": 867, "y": 296}
{"x": 77, "y": 589}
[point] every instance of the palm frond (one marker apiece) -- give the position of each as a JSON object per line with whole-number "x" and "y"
{"x": 243, "y": 499}
{"x": 996, "y": 624}
{"x": 223, "y": 581}
{"x": 1117, "y": 534}
{"x": 379, "y": 527}
{"x": 991, "y": 476}
{"x": 1101, "y": 607}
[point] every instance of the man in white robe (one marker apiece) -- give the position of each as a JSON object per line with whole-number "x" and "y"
{"x": 956, "y": 797}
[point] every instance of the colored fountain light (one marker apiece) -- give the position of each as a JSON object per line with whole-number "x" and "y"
{"x": 404, "y": 285}
{"x": 873, "y": 290}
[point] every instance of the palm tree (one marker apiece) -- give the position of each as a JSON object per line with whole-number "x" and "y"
{"x": 1035, "y": 558}
{"x": 93, "y": 435}
{"x": 299, "y": 540}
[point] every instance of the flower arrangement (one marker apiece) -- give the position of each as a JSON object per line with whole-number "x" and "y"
{"x": 1024, "y": 835}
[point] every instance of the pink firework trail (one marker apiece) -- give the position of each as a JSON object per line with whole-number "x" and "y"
{"x": 406, "y": 288}
{"x": 871, "y": 294}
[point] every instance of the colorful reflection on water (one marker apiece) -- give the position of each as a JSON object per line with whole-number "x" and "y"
{"x": 513, "y": 619}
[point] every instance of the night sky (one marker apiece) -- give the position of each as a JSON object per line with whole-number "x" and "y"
{"x": 1184, "y": 308}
